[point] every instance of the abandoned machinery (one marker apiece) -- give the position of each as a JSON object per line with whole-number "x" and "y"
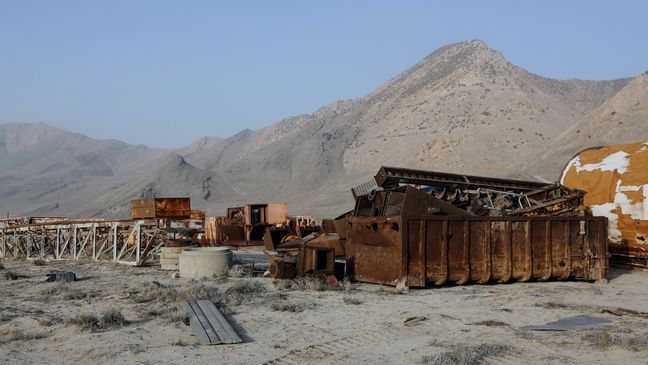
{"x": 409, "y": 227}
{"x": 421, "y": 228}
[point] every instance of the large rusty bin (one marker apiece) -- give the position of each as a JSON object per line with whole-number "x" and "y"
{"x": 434, "y": 250}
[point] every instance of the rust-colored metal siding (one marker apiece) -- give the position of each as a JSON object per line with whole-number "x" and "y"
{"x": 179, "y": 208}
{"x": 426, "y": 250}
{"x": 615, "y": 179}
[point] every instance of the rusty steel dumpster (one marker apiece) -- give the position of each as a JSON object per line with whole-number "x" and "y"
{"x": 434, "y": 250}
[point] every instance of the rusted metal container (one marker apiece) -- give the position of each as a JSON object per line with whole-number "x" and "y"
{"x": 177, "y": 208}
{"x": 615, "y": 179}
{"x": 434, "y": 250}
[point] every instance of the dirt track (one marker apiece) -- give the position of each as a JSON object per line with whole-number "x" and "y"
{"x": 360, "y": 323}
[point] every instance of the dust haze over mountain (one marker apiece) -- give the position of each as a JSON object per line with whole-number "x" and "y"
{"x": 463, "y": 109}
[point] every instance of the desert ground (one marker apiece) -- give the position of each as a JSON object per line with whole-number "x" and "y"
{"x": 133, "y": 315}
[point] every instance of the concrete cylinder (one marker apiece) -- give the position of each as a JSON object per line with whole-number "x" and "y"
{"x": 200, "y": 262}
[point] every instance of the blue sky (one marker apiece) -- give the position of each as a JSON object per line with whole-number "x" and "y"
{"x": 164, "y": 73}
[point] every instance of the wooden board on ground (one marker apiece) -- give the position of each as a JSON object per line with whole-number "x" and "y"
{"x": 210, "y": 325}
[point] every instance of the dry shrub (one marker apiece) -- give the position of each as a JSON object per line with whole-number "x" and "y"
{"x": 603, "y": 339}
{"x": 201, "y": 291}
{"x": 242, "y": 292}
{"x": 39, "y": 262}
{"x": 307, "y": 283}
{"x": 54, "y": 289}
{"x": 240, "y": 271}
{"x": 49, "y": 321}
{"x": 178, "y": 342}
{"x": 348, "y": 299}
{"x": 8, "y": 275}
{"x": 293, "y": 307}
{"x": 6, "y": 317}
{"x": 75, "y": 294}
{"x": 1, "y": 266}
{"x": 155, "y": 291}
{"x": 109, "y": 318}
{"x": 113, "y": 318}
{"x": 245, "y": 292}
{"x": 68, "y": 292}
{"x": 467, "y": 354}
{"x": 12, "y": 334}
{"x": 490, "y": 323}
{"x": 86, "y": 321}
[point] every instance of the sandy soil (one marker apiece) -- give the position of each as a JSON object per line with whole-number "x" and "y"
{"x": 359, "y": 323}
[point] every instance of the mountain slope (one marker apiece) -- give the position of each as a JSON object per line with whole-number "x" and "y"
{"x": 49, "y": 171}
{"x": 621, "y": 119}
{"x": 174, "y": 178}
{"x": 464, "y": 109}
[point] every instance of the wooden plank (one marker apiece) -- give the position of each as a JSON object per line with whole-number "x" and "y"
{"x": 196, "y": 325}
{"x": 204, "y": 330}
{"x": 223, "y": 328}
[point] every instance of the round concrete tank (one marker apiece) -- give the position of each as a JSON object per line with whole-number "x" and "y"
{"x": 200, "y": 262}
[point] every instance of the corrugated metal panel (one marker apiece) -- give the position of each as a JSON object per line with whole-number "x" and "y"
{"x": 436, "y": 250}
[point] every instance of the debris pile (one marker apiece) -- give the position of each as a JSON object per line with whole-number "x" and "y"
{"x": 416, "y": 228}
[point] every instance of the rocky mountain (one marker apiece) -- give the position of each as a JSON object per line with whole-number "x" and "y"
{"x": 464, "y": 108}
{"x": 174, "y": 178}
{"x": 48, "y": 171}
{"x": 621, "y": 119}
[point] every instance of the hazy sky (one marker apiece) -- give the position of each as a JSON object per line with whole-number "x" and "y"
{"x": 164, "y": 73}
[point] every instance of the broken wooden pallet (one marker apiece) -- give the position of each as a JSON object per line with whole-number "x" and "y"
{"x": 209, "y": 324}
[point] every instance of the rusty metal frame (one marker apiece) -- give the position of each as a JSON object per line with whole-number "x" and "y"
{"x": 130, "y": 242}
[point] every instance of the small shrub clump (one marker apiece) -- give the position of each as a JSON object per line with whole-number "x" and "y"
{"x": 348, "y": 299}
{"x": 109, "y": 318}
{"x": 293, "y": 307}
{"x": 467, "y": 354}
{"x": 602, "y": 339}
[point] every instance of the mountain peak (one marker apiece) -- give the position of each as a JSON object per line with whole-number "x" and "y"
{"x": 466, "y": 51}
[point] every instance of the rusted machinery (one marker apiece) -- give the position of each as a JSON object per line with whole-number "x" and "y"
{"x": 616, "y": 181}
{"x": 320, "y": 253}
{"x": 485, "y": 196}
{"x": 175, "y": 208}
{"x": 421, "y": 227}
{"x": 312, "y": 255}
{"x": 247, "y": 225}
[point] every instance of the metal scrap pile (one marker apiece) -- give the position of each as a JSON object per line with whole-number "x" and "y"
{"x": 480, "y": 196}
{"x": 417, "y": 228}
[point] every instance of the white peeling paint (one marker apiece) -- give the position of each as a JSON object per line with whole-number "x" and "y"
{"x": 636, "y": 210}
{"x": 574, "y": 161}
{"x": 605, "y": 210}
{"x": 617, "y": 161}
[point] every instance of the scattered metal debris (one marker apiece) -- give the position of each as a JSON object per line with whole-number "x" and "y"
{"x": 65, "y": 276}
{"x": 413, "y": 321}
